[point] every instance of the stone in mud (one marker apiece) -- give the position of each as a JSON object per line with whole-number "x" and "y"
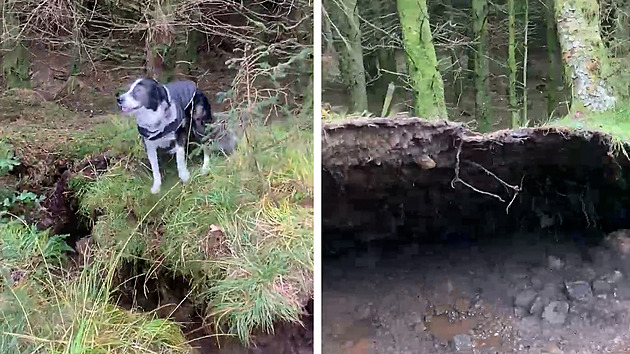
{"x": 578, "y": 290}
{"x": 556, "y": 312}
{"x": 619, "y": 241}
{"x": 462, "y": 342}
{"x": 525, "y": 298}
{"x": 554, "y": 263}
{"x": 601, "y": 288}
{"x": 622, "y": 291}
{"x": 537, "y": 306}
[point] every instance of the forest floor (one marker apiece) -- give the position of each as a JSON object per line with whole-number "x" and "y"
{"x": 524, "y": 295}
{"x": 219, "y": 261}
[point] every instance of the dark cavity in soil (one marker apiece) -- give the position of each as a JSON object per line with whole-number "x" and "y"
{"x": 417, "y": 261}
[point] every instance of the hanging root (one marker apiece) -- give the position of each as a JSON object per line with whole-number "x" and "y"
{"x": 457, "y": 179}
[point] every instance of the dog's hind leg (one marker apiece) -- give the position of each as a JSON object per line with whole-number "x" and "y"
{"x": 155, "y": 168}
{"x": 182, "y": 170}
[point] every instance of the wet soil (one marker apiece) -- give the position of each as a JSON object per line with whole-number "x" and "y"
{"x": 505, "y": 296}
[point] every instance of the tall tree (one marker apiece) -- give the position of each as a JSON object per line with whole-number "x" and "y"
{"x": 428, "y": 87}
{"x": 584, "y": 55}
{"x": 553, "y": 79}
{"x": 483, "y": 105}
{"x": 344, "y": 20}
{"x": 512, "y": 65}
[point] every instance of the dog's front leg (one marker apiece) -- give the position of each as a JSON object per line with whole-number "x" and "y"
{"x": 155, "y": 168}
{"x": 182, "y": 170}
{"x": 205, "y": 168}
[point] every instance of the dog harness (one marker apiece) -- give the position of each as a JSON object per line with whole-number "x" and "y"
{"x": 182, "y": 95}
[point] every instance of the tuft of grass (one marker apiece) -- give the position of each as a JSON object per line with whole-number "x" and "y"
{"x": 43, "y": 308}
{"x": 613, "y": 122}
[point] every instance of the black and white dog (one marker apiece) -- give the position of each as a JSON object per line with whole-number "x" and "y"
{"x": 168, "y": 116}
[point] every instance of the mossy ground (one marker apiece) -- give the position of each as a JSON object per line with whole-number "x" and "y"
{"x": 241, "y": 236}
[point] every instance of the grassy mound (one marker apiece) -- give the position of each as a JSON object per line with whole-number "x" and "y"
{"x": 44, "y": 308}
{"x": 241, "y": 236}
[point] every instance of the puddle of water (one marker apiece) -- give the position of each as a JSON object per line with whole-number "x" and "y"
{"x": 445, "y": 330}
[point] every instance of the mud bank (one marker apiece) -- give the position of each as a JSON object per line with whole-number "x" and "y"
{"x": 439, "y": 240}
{"x": 410, "y": 178}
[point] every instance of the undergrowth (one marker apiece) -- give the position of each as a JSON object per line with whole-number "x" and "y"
{"x": 241, "y": 236}
{"x": 46, "y": 309}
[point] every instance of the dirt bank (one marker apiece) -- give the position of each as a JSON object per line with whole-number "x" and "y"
{"x": 392, "y": 177}
{"x": 440, "y": 240}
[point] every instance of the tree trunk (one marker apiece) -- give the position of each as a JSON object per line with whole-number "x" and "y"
{"x": 512, "y": 65}
{"x": 553, "y": 79}
{"x": 525, "y": 50}
{"x": 585, "y": 57}
{"x": 345, "y": 26}
{"x": 483, "y": 105}
{"x": 15, "y": 61}
{"x": 428, "y": 88}
{"x": 622, "y": 29}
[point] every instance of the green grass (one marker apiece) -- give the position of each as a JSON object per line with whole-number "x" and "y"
{"x": 614, "y": 122}
{"x": 253, "y": 271}
{"x": 241, "y": 236}
{"x": 43, "y": 308}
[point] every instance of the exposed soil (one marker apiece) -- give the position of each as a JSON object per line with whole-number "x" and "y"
{"x": 440, "y": 240}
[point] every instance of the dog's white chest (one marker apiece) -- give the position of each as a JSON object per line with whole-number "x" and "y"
{"x": 163, "y": 142}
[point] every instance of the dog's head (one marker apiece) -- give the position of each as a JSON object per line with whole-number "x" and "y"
{"x": 143, "y": 93}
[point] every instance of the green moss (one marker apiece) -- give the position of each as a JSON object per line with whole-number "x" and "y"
{"x": 428, "y": 87}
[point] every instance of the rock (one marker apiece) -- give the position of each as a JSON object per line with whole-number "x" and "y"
{"x": 613, "y": 277}
{"x": 556, "y": 312}
{"x": 622, "y": 291}
{"x": 601, "y": 288}
{"x": 554, "y": 263}
{"x": 551, "y": 292}
{"x": 529, "y": 325}
{"x": 520, "y": 312}
{"x": 538, "y": 306}
{"x": 619, "y": 241}
{"x": 578, "y": 290}
{"x": 525, "y": 298}
{"x": 462, "y": 342}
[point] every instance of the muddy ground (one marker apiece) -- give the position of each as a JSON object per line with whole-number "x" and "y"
{"x": 526, "y": 293}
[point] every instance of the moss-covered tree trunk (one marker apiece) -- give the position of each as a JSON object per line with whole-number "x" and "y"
{"x": 347, "y": 42}
{"x": 428, "y": 88}
{"x": 525, "y": 51}
{"x": 584, "y": 55}
{"x": 483, "y": 105}
{"x": 15, "y": 59}
{"x": 512, "y": 65}
{"x": 553, "y": 79}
